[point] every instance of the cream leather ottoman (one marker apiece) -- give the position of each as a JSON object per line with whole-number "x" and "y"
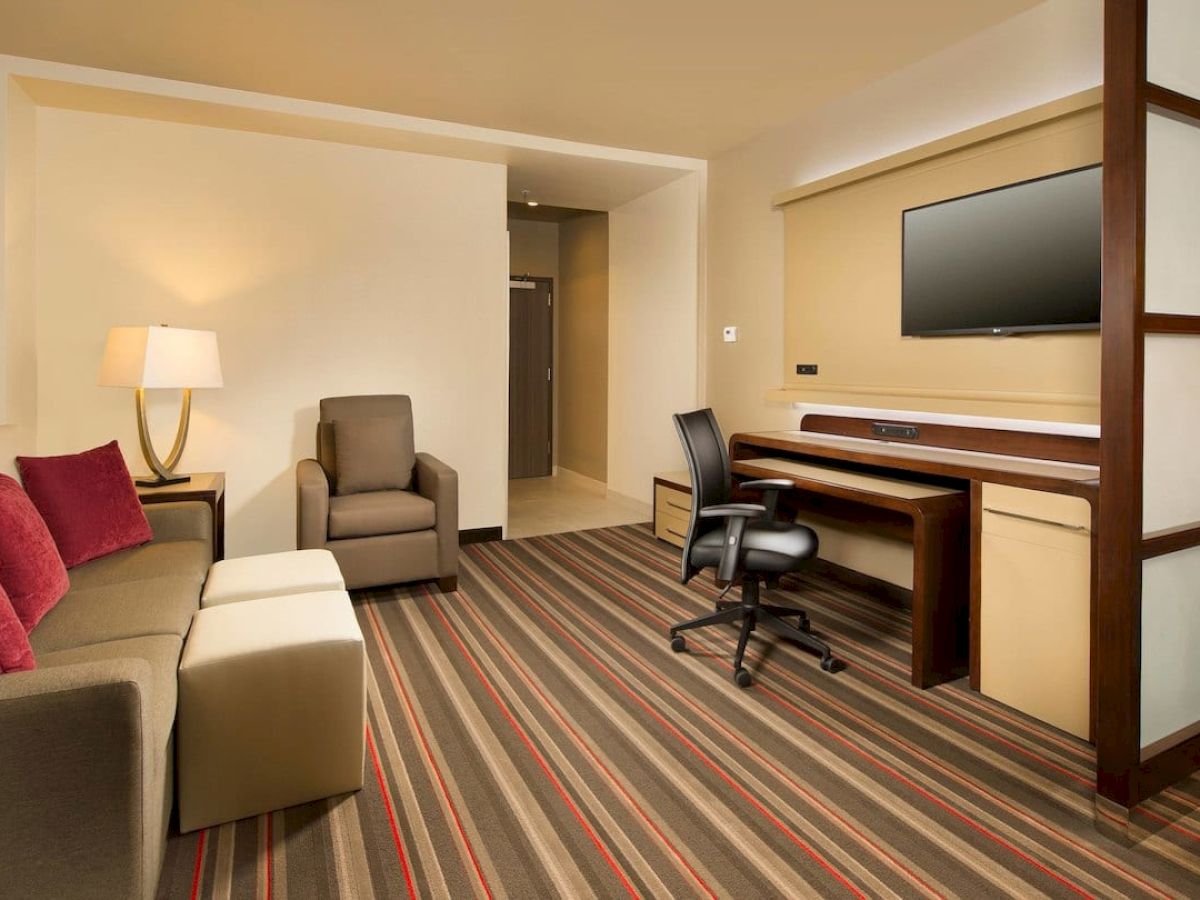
{"x": 271, "y": 575}
{"x": 271, "y": 707}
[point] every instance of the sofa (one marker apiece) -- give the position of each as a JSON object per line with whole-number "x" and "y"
{"x": 87, "y": 738}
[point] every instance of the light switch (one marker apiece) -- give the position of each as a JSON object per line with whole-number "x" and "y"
{"x": 730, "y": 334}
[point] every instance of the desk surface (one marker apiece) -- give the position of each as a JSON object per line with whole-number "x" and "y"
{"x": 966, "y": 464}
{"x": 875, "y": 484}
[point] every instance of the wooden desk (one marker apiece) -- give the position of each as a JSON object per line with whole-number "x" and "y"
{"x": 937, "y": 651}
{"x": 208, "y": 487}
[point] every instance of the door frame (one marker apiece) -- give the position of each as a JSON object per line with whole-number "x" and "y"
{"x": 549, "y": 282}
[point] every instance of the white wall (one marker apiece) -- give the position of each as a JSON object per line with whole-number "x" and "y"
{"x": 18, "y": 366}
{"x": 652, "y": 332}
{"x": 1048, "y": 52}
{"x": 325, "y": 269}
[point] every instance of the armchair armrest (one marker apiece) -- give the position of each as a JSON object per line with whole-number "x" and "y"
{"x": 736, "y": 516}
{"x": 770, "y": 488}
{"x": 312, "y": 505}
{"x": 438, "y": 482}
{"x": 78, "y": 753}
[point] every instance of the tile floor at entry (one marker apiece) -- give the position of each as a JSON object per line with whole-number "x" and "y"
{"x": 567, "y": 502}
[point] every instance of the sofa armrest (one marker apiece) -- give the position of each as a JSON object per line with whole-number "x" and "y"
{"x": 312, "y": 505}
{"x": 185, "y": 520}
{"x": 438, "y": 482}
{"x": 76, "y": 756}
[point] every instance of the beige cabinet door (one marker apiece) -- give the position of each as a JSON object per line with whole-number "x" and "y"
{"x": 1035, "y": 605}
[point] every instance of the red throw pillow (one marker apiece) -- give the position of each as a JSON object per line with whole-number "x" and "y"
{"x": 15, "y": 653}
{"x": 31, "y": 569}
{"x": 88, "y": 501}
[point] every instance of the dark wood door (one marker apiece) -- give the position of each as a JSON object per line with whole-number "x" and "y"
{"x": 530, "y": 356}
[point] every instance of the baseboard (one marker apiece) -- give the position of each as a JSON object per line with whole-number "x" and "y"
{"x": 892, "y": 594}
{"x": 479, "y": 535}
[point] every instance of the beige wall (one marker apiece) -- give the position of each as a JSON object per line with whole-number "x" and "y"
{"x": 325, "y": 269}
{"x": 842, "y": 292}
{"x": 1048, "y": 52}
{"x": 18, "y": 366}
{"x": 654, "y": 294}
{"x": 581, "y": 320}
{"x": 533, "y": 248}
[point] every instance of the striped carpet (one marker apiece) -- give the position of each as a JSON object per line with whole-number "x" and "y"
{"x": 533, "y": 735}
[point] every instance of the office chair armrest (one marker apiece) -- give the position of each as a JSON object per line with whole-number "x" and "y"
{"x": 770, "y": 488}
{"x": 736, "y": 516}
{"x": 735, "y": 510}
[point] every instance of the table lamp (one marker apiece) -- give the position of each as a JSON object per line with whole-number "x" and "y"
{"x": 155, "y": 356}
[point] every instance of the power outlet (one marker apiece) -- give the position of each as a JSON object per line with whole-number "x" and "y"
{"x": 887, "y": 429}
{"x": 806, "y": 368}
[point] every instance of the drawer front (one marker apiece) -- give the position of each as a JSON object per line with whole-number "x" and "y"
{"x": 1035, "y": 621}
{"x": 672, "y": 502}
{"x": 1021, "y": 504}
{"x": 670, "y": 526}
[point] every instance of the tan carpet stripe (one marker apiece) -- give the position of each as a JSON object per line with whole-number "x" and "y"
{"x": 536, "y": 737}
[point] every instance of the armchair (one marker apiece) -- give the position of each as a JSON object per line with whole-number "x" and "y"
{"x": 392, "y": 515}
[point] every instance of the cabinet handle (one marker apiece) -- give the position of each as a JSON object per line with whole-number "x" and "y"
{"x": 686, "y": 509}
{"x": 1082, "y": 529}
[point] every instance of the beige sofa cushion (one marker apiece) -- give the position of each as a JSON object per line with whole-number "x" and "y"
{"x": 379, "y": 512}
{"x": 374, "y": 453}
{"x": 160, "y": 651}
{"x": 112, "y": 612}
{"x": 180, "y": 559}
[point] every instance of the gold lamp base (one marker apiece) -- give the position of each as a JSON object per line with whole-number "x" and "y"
{"x": 163, "y": 470}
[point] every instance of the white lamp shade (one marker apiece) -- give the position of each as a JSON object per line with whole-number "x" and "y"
{"x": 155, "y": 356}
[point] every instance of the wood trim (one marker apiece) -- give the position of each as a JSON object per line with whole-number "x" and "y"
{"x": 1170, "y": 540}
{"x": 1029, "y": 118}
{"x": 1118, "y": 613}
{"x": 1167, "y": 767}
{"x": 797, "y": 392}
{"x": 480, "y": 535}
{"x": 1165, "y": 744}
{"x": 1167, "y": 100}
{"x": 1170, "y": 323}
{"x": 976, "y": 580}
{"x": 1037, "y": 445}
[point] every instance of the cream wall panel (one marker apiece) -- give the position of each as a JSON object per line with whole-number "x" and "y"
{"x": 18, "y": 353}
{"x": 842, "y": 288}
{"x": 1170, "y": 635}
{"x": 1171, "y": 477}
{"x": 652, "y": 322}
{"x": 1172, "y": 39}
{"x": 324, "y": 269}
{"x": 582, "y": 316}
{"x": 1172, "y": 214}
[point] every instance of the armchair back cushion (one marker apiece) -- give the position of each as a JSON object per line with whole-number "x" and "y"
{"x": 371, "y": 455}
{"x": 396, "y": 407}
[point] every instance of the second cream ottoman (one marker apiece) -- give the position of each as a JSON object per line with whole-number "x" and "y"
{"x": 272, "y": 696}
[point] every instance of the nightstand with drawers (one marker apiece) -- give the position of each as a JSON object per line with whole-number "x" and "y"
{"x": 672, "y": 506}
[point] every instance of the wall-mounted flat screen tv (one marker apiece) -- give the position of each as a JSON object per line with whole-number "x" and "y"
{"x": 1025, "y": 257}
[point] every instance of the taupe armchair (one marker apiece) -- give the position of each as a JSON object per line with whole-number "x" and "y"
{"x": 387, "y": 513}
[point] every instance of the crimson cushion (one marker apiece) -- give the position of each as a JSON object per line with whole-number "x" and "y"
{"x": 88, "y": 501}
{"x": 31, "y": 570}
{"x": 15, "y": 653}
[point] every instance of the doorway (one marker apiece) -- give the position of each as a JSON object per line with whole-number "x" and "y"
{"x": 530, "y": 376}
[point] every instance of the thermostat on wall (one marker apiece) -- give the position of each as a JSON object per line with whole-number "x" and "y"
{"x": 729, "y": 332}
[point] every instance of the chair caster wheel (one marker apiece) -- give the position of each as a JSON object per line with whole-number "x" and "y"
{"x": 678, "y": 644}
{"x": 805, "y": 625}
{"x": 742, "y": 678}
{"x": 830, "y": 664}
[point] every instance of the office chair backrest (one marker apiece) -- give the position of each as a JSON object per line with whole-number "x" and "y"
{"x": 708, "y": 464}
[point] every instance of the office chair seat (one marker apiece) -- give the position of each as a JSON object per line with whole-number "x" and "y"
{"x": 767, "y": 546}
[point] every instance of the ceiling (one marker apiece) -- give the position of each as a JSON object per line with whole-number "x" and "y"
{"x": 685, "y": 77}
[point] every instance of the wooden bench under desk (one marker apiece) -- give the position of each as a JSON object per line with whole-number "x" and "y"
{"x": 934, "y": 518}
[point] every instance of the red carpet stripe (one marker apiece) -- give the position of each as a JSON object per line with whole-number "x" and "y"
{"x": 391, "y": 815}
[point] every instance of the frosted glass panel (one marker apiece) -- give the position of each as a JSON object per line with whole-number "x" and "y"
{"x": 1170, "y": 635}
{"x": 1172, "y": 38}
{"x": 1172, "y": 215}
{"x": 1171, "y": 460}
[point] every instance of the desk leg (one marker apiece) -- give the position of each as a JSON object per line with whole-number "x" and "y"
{"x": 941, "y": 602}
{"x": 218, "y": 509}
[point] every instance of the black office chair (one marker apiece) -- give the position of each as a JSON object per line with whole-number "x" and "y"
{"x": 744, "y": 542}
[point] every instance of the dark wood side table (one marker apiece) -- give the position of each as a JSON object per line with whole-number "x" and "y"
{"x": 208, "y": 487}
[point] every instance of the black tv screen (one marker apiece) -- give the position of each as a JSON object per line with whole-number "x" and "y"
{"x": 1025, "y": 257}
